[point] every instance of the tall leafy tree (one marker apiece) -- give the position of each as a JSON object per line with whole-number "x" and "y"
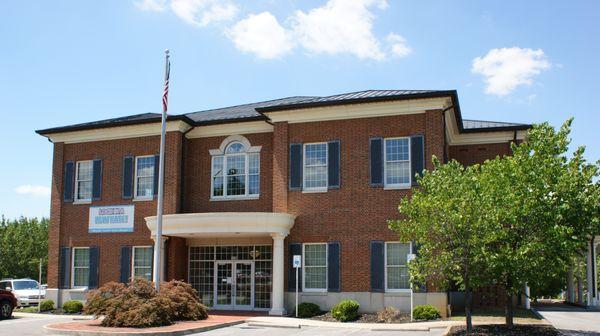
{"x": 23, "y": 242}
{"x": 445, "y": 218}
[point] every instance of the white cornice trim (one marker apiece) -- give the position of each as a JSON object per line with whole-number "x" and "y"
{"x": 455, "y": 138}
{"x": 247, "y": 127}
{"x": 118, "y": 132}
{"x": 358, "y": 110}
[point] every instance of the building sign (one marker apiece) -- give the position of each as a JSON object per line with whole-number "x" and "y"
{"x": 116, "y": 218}
{"x": 297, "y": 261}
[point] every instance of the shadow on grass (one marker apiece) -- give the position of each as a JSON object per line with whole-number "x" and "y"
{"x": 491, "y": 312}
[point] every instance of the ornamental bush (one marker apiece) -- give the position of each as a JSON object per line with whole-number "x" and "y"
{"x": 389, "y": 315}
{"x": 138, "y": 305}
{"x": 308, "y": 309}
{"x": 426, "y": 312}
{"x": 46, "y": 305}
{"x": 345, "y": 310}
{"x": 72, "y": 307}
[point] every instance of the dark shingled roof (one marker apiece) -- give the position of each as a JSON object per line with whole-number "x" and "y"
{"x": 255, "y": 111}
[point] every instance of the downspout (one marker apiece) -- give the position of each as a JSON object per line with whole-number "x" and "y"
{"x": 445, "y": 135}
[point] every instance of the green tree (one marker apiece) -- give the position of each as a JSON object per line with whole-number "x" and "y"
{"x": 445, "y": 218}
{"x": 544, "y": 209}
{"x": 23, "y": 242}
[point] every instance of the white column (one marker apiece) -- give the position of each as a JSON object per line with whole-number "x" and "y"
{"x": 590, "y": 273}
{"x": 570, "y": 285}
{"x": 527, "y": 298}
{"x": 277, "y": 294}
{"x": 163, "y": 257}
{"x": 595, "y": 272}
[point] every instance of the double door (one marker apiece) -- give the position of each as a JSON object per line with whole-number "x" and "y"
{"x": 234, "y": 285}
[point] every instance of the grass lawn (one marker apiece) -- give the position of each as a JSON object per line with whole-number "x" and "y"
{"x": 482, "y": 316}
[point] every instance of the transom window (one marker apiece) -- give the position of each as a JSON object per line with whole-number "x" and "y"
{"x": 315, "y": 166}
{"x": 236, "y": 173}
{"x": 315, "y": 267}
{"x": 142, "y": 262}
{"x": 397, "y": 277}
{"x": 83, "y": 181}
{"x": 397, "y": 162}
{"x": 144, "y": 177}
{"x": 81, "y": 267}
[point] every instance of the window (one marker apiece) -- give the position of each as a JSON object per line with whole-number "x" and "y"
{"x": 83, "y": 181}
{"x": 397, "y": 162}
{"x": 315, "y": 267}
{"x": 81, "y": 267}
{"x": 236, "y": 173}
{"x": 144, "y": 177}
{"x": 142, "y": 262}
{"x": 315, "y": 167}
{"x": 397, "y": 277}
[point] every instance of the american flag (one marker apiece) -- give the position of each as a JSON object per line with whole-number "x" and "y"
{"x": 165, "y": 98}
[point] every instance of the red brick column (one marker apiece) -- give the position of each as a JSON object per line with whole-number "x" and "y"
{"x": 280, "y": 167}
{"x": 55, "y": 214}
{"x": 434, "y": 136}
{"x": 176, "y": 252}
{"x": 177, "y": 259}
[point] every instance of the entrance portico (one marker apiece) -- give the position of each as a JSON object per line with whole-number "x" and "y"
{"x": 233, "y": 249}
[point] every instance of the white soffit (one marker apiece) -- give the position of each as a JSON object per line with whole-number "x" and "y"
{"x": 117, "y": 132}
{"x": 455, "y": 138}
{"x": 247, "y": 127}
{"x": 359, "y": 110}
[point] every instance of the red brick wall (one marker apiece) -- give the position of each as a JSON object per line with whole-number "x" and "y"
{"x": 356, "y": 213}
{"x": 472, "y": 154}
{"x": 73, "y": 218}
{"x": 197, "y": 179}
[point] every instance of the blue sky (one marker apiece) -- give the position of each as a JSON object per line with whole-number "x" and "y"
{"x": 65, "y": 62}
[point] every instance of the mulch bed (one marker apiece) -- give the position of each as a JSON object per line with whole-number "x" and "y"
{"x": 363, "y": 318}
{"x": 500, "y": 329}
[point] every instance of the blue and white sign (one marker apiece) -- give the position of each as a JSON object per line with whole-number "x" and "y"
{"x": 115, "y": 218}
{"x": 297, "y": 261}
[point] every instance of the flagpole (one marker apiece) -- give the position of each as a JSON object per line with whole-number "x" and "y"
{"x": 161, "y": 178}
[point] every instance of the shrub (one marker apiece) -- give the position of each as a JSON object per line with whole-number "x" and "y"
{"x": 345, "y": 310}
{"x": 426, "y": 312}
{"x": 46, "y": 305}
{"x": 389, "y": 315}
{"x": 72, "y": 306}
{"x": 138, "y": 305}
{"x": 308, "y": 309}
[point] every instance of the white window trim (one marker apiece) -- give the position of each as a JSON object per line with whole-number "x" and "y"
{"x": 135, "y": 180}
{"x": 387, "y": 186}
{"x": 133, "y": 267}
{"x": 73, "y": 267}
{"x": 385, "y": 266}
{"x": 222, "y": 154}
{"x": 315, "y": 290}
{"x": 77, "y": 200}
{"x": 315, "y": 189}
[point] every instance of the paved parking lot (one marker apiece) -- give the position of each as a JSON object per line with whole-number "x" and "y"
{"x": 570, "y": 320}
{"x": 33, "y": 326}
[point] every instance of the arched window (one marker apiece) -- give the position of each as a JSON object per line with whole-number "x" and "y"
{"x": 235, "y": 172}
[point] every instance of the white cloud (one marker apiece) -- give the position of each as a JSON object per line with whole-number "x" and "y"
{"x": 33, "y": 190}
{"x": 507, "y": 68}
{"x": 337, "y": 27}
{"x": 151, "y": 5}
{"x": 398, "y": 45}
{"x": 204, "y": 12}
{"x": 261, "y": 34}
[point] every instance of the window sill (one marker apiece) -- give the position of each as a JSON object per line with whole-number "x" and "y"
{"x": 235, "y": 198}
{"x": 315, "y": 292}
{"x": 397, "y": 187}
{"x": 143, "y": 199}
{"x": 82, "y": 201}
{"x": 78, "y": 289}
{"x": 314, "y": 191}
{"x": 397, "y": 292}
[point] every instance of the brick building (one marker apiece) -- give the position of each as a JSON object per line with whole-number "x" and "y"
{"x": 249, "y": 186}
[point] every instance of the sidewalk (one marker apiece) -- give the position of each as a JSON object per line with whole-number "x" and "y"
{"x": 291, "y": 322}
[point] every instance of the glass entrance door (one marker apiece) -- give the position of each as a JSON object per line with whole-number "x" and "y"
{"x": 234, "y": 285}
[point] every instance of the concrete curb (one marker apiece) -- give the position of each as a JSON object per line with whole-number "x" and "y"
{"x": 269, "y": 325}
{"x": 536, "y": 313}
{"x": 57, "y": 331}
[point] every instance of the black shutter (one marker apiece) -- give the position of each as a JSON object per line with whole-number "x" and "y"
{"x": 377, "y": 266}
{"x": 64, "y": 267}
{"x": 156, "y": 164}
{"x": 333, "y": 168}
{"x": 97, "y": 180}
{"x": 128, "y": 177}
{"x": 333, "y": 267}
{"x": 69, "y": 182}
{"x": 417, "y": 157}
{"x": 376, "y": 159}
{"x": 152, "y": 267}
{"x": 94, "y": 262}
{"x": 294, "y": 249}
{"x": 295, "y": 166}
{"x": 125, "y": 264}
